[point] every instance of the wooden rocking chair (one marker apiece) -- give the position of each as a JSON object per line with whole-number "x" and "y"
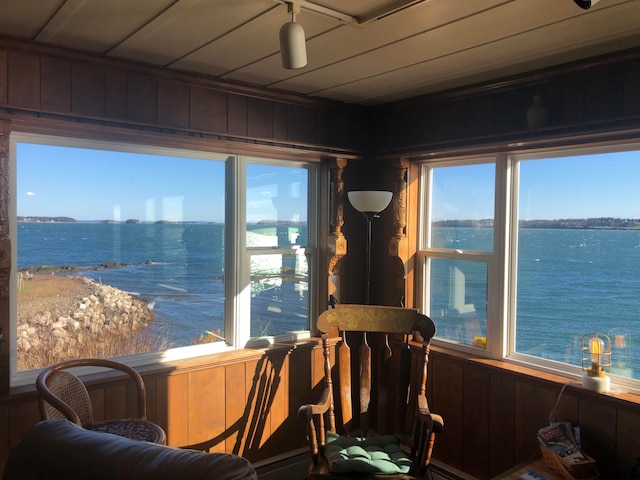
{"x": 393, "y": 434}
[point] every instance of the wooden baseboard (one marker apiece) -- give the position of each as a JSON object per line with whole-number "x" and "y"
{"x": 292, "y": 466}
{"x": 443, "y": 471}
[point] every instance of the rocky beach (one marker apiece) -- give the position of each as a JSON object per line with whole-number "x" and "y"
{"x": 69, "y": 315}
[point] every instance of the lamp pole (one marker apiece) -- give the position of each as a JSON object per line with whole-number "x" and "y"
{"x": 369, "y": 216}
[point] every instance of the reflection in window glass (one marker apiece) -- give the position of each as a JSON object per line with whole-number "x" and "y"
{"x": 118, "y": 253}
{"x": 279, "y": 293}
{"x": 277, "y": 206}
{"x": 276, "y": 197}
{"x": 458, "y": 300}
{"x": 462, "y": 207}
{"x": 578, "y": 257}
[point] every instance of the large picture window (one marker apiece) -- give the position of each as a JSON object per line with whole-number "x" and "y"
{"x": 558, "y": 261}
{"x": 133, "y": 251}
{"x": 578, "y": 248}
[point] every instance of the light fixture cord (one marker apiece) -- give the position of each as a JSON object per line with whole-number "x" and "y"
{"x": 553, "y": 414}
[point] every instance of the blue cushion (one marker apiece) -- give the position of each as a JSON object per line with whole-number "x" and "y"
{"x": 380, "y": 454}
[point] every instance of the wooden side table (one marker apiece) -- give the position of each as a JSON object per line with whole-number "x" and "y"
{"x": 537, "y": 466}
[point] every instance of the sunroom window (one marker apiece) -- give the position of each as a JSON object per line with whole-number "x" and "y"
{"x": 277, "y": 237}
{"x": 133, "y": 251}
{"x": 578, "y": 252}
{"x": 457, "y": 246}
{"x": 557, "y": 261}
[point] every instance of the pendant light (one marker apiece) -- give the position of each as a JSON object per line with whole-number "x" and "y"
{"x": 293, "y": 48}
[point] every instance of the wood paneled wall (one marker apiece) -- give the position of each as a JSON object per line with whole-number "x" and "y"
{"x": 601, "y": 94}
{"x": 48, "y": 82}
{"x": 243, "y": 402}
{"x": 246, "y": 402}
{"x": 492, "y": 412}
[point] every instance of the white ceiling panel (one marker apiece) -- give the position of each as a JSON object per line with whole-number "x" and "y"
{"x": 97, "y": 26}
{"x": 190, "y": 24}
{"x": 484, "y": 62}
{"x": 420, "y": 47}
{"x": 261, "y": 38}
{"x": 25, "y": 18}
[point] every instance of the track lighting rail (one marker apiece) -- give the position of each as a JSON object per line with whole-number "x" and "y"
{"x": 377, "y": 14}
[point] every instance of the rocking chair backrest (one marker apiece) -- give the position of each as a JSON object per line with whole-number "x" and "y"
{"x": 370, "y": 372}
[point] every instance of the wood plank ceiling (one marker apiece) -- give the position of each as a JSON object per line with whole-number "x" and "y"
{"x": 388, "y": 50}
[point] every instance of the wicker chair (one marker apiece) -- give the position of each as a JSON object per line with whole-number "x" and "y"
{"x": 63, "y": 395}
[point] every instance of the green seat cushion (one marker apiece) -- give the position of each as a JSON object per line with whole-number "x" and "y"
{"x": 379, "y": 454}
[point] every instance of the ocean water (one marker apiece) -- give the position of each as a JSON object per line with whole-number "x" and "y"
{"x": 573, "y": 282}
{"x": 178, "y": 268}
{"x": 570, "y": 282}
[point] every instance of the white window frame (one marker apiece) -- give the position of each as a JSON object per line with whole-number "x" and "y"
{"x": 491, "y": 259}
{"x": 237, "y": 276}
{"x": 502, "y": 262}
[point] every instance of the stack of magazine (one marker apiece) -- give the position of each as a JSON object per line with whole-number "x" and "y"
{"x": 559, "y": 438}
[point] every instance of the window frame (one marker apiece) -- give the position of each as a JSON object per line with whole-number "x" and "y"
{"x": 236, "y": 317}
{"x": 424, "y": 253}
{"x": 502, "y": 263}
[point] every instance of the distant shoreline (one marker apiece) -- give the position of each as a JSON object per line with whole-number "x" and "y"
{"x": 601, "y": 223}
{"x": 54, "y": 269}
{"x": 108, "y": 222}
{"x": 135, "y": 221}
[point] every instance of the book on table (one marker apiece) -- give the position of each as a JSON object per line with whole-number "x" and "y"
{"x": 531, "y": 475}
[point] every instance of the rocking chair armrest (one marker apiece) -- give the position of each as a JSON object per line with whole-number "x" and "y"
{"x": 307, "y": 411}
{"x": 426, "y": 416}
{"x": 312, "y": 414}
{"x": 437, "y": 422}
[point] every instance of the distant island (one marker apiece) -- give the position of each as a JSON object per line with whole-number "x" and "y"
{"x": 47, "y": 219}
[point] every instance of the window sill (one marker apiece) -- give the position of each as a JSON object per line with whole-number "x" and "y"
{"x": 183, "y": 365}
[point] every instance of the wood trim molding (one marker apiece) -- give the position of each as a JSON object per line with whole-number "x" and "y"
{"x": 528, "y": 78}
{"x": 177, "y": 139}
{"x": 337, "y": 243}
{"x": 228, "y": 86}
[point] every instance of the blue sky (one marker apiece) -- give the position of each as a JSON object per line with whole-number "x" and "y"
{"x": 603, "y": 185}
{"x": 106, "y": 185}
{"x": 99, "y": 185}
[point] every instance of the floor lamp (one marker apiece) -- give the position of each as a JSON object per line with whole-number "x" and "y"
{"x": 370, "y": 203}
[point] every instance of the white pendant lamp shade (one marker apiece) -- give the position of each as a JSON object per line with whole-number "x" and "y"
{"x": 370, "y": 201}
{"x": 293, "y": 46}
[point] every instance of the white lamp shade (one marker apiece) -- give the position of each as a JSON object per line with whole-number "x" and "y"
{"x": 293, "y": 47}
{"x": 370, "y": 200}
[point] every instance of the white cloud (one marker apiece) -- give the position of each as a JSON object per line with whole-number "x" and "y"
{"x": 31, "y": 194}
